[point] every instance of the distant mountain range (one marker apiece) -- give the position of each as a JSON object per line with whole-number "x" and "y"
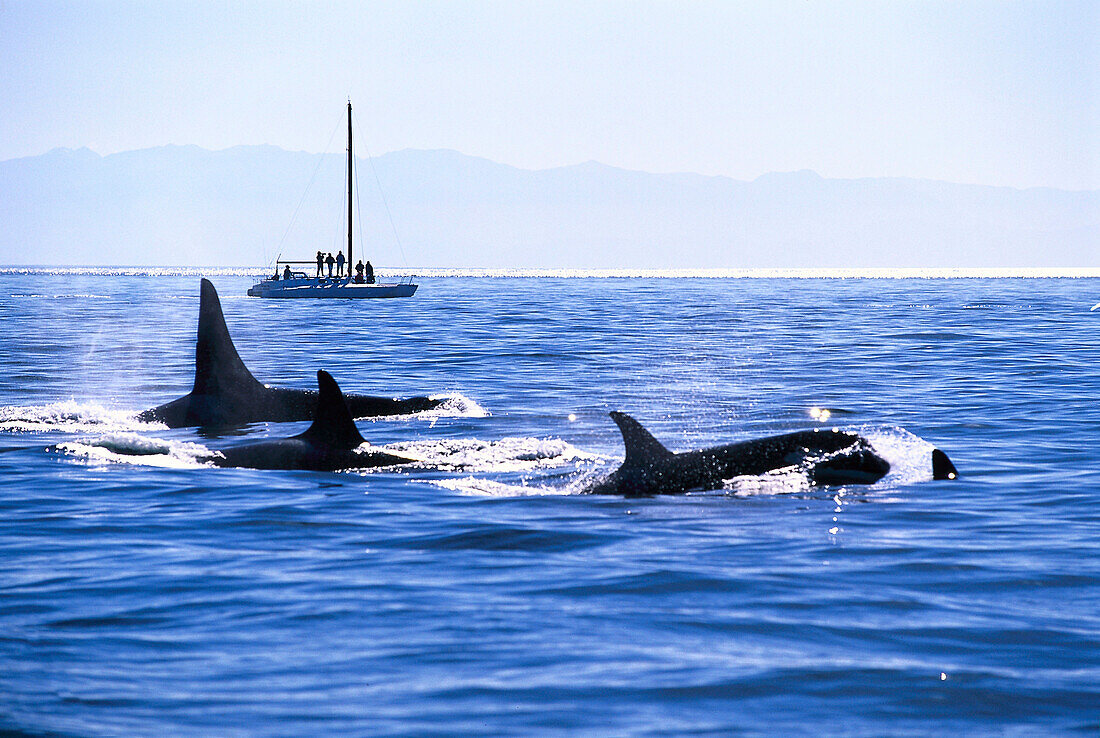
{"x": 183, "y": 205}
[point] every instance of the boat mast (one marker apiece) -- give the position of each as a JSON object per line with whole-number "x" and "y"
{"x": 349, "y": 188}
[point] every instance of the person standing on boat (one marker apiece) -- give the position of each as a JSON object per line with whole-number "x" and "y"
{"x": 286, "y": 272}
{"x": 320, "y": 263}
{"x": 340, "y": 263}
{"x": 370, "y": 273}
{"x": 330, "y": 261}
{"x": 359, "y": 272}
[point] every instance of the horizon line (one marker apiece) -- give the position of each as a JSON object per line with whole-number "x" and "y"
{"x": 595, "y": 273}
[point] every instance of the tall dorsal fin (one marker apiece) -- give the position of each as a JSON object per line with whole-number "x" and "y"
{"x": 218, "y": 367}
{"x": 332, "y": 423}
{"x": 641, "y": 447}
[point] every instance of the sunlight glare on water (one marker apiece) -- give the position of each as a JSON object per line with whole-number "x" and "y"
{"x": 479, "y": 591}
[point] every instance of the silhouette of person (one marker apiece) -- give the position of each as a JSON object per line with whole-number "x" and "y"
{"x": 359, "y": 272}
{"x": 340, "y": 264}
{"x": 370, "y": 273}
{"x": 286, "y": 272}
{"x": 330, "y": 261}
{"x": 320, "y": 263}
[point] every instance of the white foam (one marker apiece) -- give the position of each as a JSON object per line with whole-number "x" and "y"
{"x": 910, "y": 456}
{"x": 60, "y": 296}
{"x": 83, "y": 417}
{"x": 473, "y": 486}
{"x": 454, "y": 405}
{"x": 130, "y": 448}
{"x": 505, "y": 455}
{"x": 69, "y": 417}
{"x": 589, "y": 468}
{"x": 784, "y": 481}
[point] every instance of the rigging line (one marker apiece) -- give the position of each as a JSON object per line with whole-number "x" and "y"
{"x": 385, "y": 204}
{"x": 359, "y": 211}
{"x": 341, "y": 234}
{"x": 320, "y": 161}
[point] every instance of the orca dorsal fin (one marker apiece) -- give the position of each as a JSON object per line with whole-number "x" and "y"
{"x": 641, "y": 447}
{"x": 332, "y": 422}
{"x": 218, "y": 366}
{"x": 942, "y": 468}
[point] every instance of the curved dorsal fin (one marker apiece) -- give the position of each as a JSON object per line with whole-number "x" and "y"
{"x": 332, "y": 423}
{"x": 942, "y": 468}
{"x": 218, "y": 367}
{"x": 641, "y": 447}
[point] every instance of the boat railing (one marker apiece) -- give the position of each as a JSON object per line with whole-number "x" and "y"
{"x": 279, "y": 263}
{"x": 296, "y": 275}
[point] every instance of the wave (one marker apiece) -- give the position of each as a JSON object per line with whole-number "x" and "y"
{"x": 508, "y": 455}
{"x": 70, "y": 417}
{"x": 504, "y": 455}
{"x": 478, "y": 487}
{"x": 135, "y": 449}
{"x": 83, "y": 417}
{"x": 454, "y": 405}
{"x": 909, "y": 455}
{"x": 60, "y": 296}
{"x": 533, "y": 458}
{"x": 131, "y": 448}
{"x": 910, "y": 458}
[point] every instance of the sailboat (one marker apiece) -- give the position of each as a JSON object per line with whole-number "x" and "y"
{"x": 298, "y": 284}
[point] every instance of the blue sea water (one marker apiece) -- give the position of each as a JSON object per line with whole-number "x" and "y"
{"x": 480, "y": 592}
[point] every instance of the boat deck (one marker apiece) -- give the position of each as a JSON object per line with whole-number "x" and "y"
{"x": 330, "y": 288}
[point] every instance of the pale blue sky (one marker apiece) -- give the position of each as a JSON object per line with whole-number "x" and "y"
{"x": 1002, "y": 93}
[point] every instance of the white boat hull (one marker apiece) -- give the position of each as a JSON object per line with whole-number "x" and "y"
{"x": 327, "y": 288}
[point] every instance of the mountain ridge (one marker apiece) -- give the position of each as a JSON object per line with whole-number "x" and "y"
{"x": 182, "y": 204}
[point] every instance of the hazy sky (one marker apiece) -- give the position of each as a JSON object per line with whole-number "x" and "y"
{"x": 1003, "y": 93}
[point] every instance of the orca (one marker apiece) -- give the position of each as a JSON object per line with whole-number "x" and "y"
{"x": 828, "y": 456}
{"x": 328, "y": 444}
{"x": 226, "y": 394}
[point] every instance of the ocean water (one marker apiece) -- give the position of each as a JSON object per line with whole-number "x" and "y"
{"x": 480, "y": 592}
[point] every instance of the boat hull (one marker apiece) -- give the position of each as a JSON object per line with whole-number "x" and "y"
{"x": 313, "y": 288}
